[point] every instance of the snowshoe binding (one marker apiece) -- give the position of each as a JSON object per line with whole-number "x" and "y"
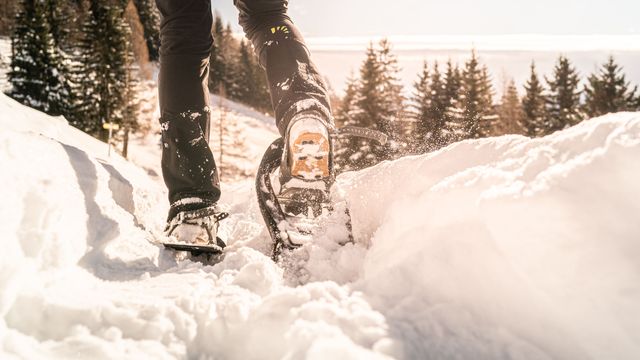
{"x": 195, "y": 231}
{"x": 301, "y": 195}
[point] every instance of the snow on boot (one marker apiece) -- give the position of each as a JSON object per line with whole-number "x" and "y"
{"x": 298, "y": 209}
{"x": 306, "y": 170}
{"x": 196, "y": 230}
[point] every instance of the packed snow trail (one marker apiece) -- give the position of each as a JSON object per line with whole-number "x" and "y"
{"x": 498, "y": 248}
{"x": 80, "y": 279}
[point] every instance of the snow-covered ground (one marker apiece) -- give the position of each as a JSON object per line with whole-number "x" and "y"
{"x": 502, "y": 248}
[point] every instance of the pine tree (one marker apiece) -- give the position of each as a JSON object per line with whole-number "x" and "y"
{"x": 380, "y": 104}
{"x": 490, "y": 113}
{"x": 392, "y": 119}
{"x": 230, "y": 51}
{"x": 453, "y": 121}
{"x": 150, "y": 19}
{"x": 244, "y": 90}
{"x": 35, "y": 61}
{"x": 234, "y": 69}
{"x": 261, "y": 97}
{"x": 421, "y": 104}
{"x": 370, "y": 77}
{"x": 608, "y": 91}
{"x": 392, "y": 106}
{"x": 57, "y": 17}
{"x": 430, "y": 103}
{"x": 510, "y": 112}
{"x": 61, "y": 16}
{"x": 369, "y": 105}
{"x": 345, "y": 114}
{"x": 107, "y": 61}
{"x": 73, "y": 18}
{"x": 217, "y": 64}
{"x": 345, "y": 111}
{"x": 65, "y": 19}
{"x": 563, "y": 101}
{"x": 533, "y": 105}
{"x": 440, "y": 102}
{"x": 131, "y": 109}
{"x": 453, "y": 81}
{"x": 476, "y": 100}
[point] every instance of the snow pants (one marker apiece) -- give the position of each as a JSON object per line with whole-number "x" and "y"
{"x": 188, "y": 166}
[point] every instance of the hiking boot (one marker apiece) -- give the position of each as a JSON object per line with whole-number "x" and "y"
{"x": 196, "y": 227}
{"x": 306, "y": 171}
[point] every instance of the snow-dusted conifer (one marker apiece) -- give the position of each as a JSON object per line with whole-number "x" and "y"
{"x": 235, "y": 71}
{"x": 380, "y": 104}
{"x": 36, "y": 60}
{"x": 391, "y": 87}
{"x": 489, "y": 117}
{"x": 150, "y": 19}
{"x": 106, "y": 59}
{"x": 430, "y": 104}
{"x": 217, "y": 65}
{"x": 230, "y": 49}
{"x": 369, "y": 103}
{"x": 393, "y": 119}
{"x": 346, "y": 114}
{"x": 534, "y": 106}
{"x": 439, "y": 104}
{"x": 244, "y": 86}
{"x": 132, "y": 101}
{"x": 346, "y": 109}
{"x": 421, "y": 108}
{"x": 477, "y": 114}
{"x": 608, "y": 91}
{"x": 563, "y": 100}
{"x": 510, "y": 112}
{"x": 369, "y": 89}
{"x": 261, "y": 98}
{"x": 453, "y": 121}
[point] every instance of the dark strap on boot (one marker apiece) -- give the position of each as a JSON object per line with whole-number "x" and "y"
{"x": 375, "y": 135}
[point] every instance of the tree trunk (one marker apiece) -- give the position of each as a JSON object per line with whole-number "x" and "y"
{"x": 125, "y": 143}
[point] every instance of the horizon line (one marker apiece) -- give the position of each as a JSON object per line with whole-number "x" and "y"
{"x": 495, "y": 42}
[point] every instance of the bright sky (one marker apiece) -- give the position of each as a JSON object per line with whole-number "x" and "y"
{"x": 508, "y": 34}
{"x": 458, "y": 17}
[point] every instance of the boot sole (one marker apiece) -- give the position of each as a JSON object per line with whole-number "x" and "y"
{"x": 310, "y": 157}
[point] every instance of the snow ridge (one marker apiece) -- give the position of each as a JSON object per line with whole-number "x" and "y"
{"x": 511, "y": 247}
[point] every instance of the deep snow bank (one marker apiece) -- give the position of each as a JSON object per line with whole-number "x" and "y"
{"x": 509, "y": 247}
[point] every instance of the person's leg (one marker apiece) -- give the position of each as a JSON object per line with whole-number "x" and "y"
{"x": 188, "y": 165}
{"x": 295, "y": 84}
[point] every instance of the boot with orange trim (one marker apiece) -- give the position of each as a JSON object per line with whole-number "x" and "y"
{"x": 306, "y": 170}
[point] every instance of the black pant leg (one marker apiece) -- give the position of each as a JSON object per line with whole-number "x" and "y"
{"x": 188, "y": 165}
{"x": 294, "y": 81}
